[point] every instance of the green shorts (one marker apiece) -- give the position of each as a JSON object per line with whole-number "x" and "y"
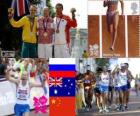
{"x": 29, "y": 50}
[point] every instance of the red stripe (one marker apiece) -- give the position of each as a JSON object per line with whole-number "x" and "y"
{"x": 63, "y": 74}
{"x": 21, "y": 7}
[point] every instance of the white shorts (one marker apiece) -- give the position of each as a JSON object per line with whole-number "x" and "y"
{"x": 61, "y": 51}
{"x": 44, "y": 50}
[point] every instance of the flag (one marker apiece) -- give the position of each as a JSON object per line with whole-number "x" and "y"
{"x": 62, "y": 106}
{"x": 21, "y": 6}
{"x": 62, "y": 86}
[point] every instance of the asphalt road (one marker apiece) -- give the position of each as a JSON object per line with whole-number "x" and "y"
{"x": 134, "y": 109}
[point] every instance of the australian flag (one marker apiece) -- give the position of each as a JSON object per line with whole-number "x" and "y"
{"x": 62, "y": 74}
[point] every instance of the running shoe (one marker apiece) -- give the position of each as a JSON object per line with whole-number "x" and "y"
{"x": 100, "y": 111}
{"x": 126, "y": 107}
{"x": 106, "y": 110}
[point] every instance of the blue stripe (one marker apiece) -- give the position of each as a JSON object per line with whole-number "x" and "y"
{"x": 62, "y": 67}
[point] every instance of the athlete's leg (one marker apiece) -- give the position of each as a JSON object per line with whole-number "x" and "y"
{"x": 41, "y": 51}
{"x": 106, "y": 101}
{"x": 110, "y": 24}
{"x": 136, "y": 89}
{"x": 127, "y": 94}
{"x": 120, "y": 97}
{"x": 112, "y": 92}
{"x": 103, "y": 100}
{"x": 117, "y": 101}
{"x": 115, "y": 26}
{"x": 127, "y": 97}
{"x": 26, "y": 114}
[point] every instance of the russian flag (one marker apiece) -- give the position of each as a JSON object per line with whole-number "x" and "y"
{"x": 62, "y": 72}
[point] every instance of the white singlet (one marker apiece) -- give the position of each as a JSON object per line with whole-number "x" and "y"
{"x": 23, "y": 93}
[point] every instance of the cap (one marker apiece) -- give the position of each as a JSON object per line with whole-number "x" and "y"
{"x": 122, "y": 65}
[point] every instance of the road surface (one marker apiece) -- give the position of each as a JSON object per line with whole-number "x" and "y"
{"x": 134, "y": 109}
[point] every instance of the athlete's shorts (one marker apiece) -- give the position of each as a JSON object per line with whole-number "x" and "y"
{"x": 20, "y": 109}
{"x": 104, "y": 89}
{"x": 110, "y": 15}
{"x": 111, "y": 88}
{"x": 121, "y": 88}
{"x": 28, "y": 50}
{"x": 128, "y": 85}
{"x": 97, "y": 90}
{"x": 44, "y": 50}
{"x": 61, "y": 51}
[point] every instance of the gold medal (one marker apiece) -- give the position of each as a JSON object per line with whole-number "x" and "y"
{"x": 57, "y": 31}
{"x": 45, "y": 34}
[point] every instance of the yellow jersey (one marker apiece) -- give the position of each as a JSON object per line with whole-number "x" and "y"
{"x": 28, "y": 35}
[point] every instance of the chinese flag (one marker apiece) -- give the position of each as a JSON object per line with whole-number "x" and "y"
{"x": 62, "y": 106}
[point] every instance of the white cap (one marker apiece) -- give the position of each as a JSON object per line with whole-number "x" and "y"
{"x": 122, "y": 65}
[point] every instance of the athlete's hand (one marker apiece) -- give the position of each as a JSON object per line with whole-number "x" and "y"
{"x": 10, "y": 13}
{"x": 43, "y": 82}
{"x": 73, "y": 10}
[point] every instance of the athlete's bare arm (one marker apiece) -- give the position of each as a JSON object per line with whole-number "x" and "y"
{"x": 10, "y": 78}
{"x": 116, "y": 70}
{"x": 37, "y": 84}
{"x": 122, "y": 6}
{"x": 130, "y": 76}
{"x": 105, "y": 3}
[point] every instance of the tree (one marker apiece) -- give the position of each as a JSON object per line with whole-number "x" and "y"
{"x": 102, "y": 62}
{"x": 35, "y": 1}
{"x": 51, "y": 8}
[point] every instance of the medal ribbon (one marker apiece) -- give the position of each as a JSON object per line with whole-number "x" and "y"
{"x": 31, "y": 23}
{"x": 58, "y": 23}
{"x": 45, "y": 24}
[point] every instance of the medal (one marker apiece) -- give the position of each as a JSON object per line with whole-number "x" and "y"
{"x": 45, "y": 34}
{"x": 45, "y": 21}
{"x": 31, "y": 20}
{"x": 58, "y": 24}
{"x": 57, "y": 31}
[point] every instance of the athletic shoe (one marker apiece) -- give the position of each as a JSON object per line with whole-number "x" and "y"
{"x": 100, "y": 111}
{"x": 122, "y": 108}
{"x": 126, "y": 107}
{"x": 87, "y": 109}
{"x": 117, "y": 107}
{"x": 106, "y": 110}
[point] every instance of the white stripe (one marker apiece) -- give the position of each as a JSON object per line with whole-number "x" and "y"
{"x": 100, "y": 34}
{"x": 17, "y": 8}
{"x": 126, "y": 37}
{"x": 24, "y": 6}
{"x": 62, "y": 61}
{"x": 13, "y": 4}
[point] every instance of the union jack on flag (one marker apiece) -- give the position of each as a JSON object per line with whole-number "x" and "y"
{"x": 55, "y": 82}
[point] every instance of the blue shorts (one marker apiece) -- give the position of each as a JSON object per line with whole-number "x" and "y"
{"x": 121, "y": 88}
{"x": 104, "y": 89}
{"x": 20, "y": 109}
